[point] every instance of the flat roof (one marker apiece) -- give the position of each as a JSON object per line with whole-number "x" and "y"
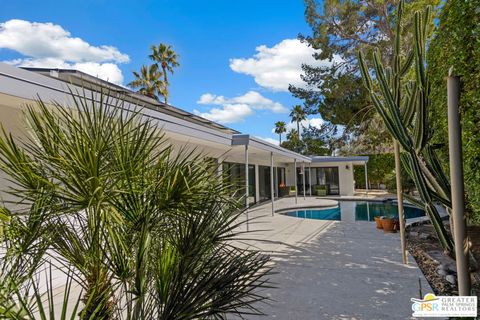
{"x": 79, "y": 78}
{"x": 319, "y": 159}
{"x": 46, "y": 83}
{"x": 246, "y": 139}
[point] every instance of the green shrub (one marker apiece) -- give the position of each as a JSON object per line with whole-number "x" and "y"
{"x": 145, "y": 233}
{"x": 379, "y": 166}
{"x": 457, "y": 44}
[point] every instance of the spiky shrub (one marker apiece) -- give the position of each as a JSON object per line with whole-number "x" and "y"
{"x": 96, "y": 193}
{"x": 403, "y": 104}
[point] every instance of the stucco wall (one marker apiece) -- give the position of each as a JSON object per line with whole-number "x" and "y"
{"x": 345, "y": 176}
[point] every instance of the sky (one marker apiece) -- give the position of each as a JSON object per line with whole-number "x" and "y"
{"x": 236, "y": 57}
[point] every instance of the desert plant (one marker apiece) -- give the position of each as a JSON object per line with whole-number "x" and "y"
{"x": 138, "y": 231}
{"x": 403, "y": 106}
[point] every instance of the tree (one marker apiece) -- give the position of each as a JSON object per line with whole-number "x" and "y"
{"x": 315, "y": 141}
{"x": 280, "y": 127}
{"x": 168, "y": 59}
{"x": 297, "y": 115}
{"x": 339, "y": 30}
{"x": 320, "y": 141}
{"x": 456, "y": 43}
{"x": 149, "y": 82}
{"x": 145, "y": 233}
{"x": 293, "y": 141}
{"x": 403, "y": 106}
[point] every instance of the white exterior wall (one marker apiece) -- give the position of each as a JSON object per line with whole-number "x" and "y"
{"x": 345, "y": 176}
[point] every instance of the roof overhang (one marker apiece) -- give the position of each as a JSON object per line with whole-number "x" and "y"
{"x": 248, "y": 140}
{"x": 33, "y": 86}
{"x": 81, "y": 79}
{"x": 359, "y": 160}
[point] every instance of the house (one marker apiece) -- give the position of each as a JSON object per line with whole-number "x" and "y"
{"x": 271, "y": 170}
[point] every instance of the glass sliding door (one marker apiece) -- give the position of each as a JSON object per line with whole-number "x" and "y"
{"x": 264, "y": 183}
{"x": 328, "y": 177}
{"x": 280, "y": 183}
{"x": 300, "y": 174}
{"x": 307, "y": 180}
{"x": 234, "y": 175}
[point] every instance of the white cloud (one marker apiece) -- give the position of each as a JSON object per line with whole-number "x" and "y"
{"x": 238, "y": 108}
{"x": 50, "y": 46}
{"x": 271, "y": 140}
{"x": 229, "y": 113}
{"x": 251, "y": 98}
{"x": 276, "y": 67}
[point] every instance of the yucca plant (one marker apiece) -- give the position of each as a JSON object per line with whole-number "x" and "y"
{"x": 403, "y": 104}
{"x": 139, "y": 231}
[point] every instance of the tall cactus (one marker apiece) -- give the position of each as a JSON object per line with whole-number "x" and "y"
{"x": 403, "y": 105}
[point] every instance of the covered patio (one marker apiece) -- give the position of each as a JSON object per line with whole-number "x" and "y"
{"x": 272, "y": 168}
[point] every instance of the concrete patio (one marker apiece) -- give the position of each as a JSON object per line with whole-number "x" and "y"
{"x": 333, "y": 269}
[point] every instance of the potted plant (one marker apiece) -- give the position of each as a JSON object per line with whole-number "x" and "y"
{"x": 388, "y": 224}
{"x": 378, "y": 222}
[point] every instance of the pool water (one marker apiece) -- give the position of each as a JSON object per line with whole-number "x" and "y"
{"x": 357, "y": 211}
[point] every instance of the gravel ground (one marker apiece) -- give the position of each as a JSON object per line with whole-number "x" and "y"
{"x": 425, "y": 248}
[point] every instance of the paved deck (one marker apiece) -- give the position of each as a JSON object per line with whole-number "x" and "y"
{"x": 333, "y": 269}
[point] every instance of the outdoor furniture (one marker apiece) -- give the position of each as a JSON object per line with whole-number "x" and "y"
{"x": 291, "y": 191}
{"x": 321, "y": 190}
{"x": 283, "y": 191}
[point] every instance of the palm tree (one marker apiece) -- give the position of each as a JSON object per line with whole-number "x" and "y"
{"x": 146, "y": 233}
{"x": 280, "y": 127}
{"x": 149, "y": 81}
{"x": 297, "y": 114}
{"x": 167, "y": 58}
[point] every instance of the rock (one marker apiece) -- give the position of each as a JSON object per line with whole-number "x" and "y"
{"x": 442, "y": 272}
{"x": 439, "y": 257}
{"x": 424, "y": 236}
{"x": 413, "y": 233}
{"x": 451, "y": 279}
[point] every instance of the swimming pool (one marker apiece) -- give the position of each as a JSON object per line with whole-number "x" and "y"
{"x": 357, "y": 211}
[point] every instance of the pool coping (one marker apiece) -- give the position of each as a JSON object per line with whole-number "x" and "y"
{"x": 307, "y": 207}
{"x": 408, "y": 222}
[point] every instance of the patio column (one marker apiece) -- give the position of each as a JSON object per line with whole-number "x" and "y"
{"x": 295, "y": 179}
{"x": 246, "y": 184}
{"x": 272, "y": 193}
{"x": 275, "y": 170}
{"x": 457, "y": 192}
{"x": 310, "y": 179}
{"x": 366, "y": 178}
{"x": 303, "y": 177}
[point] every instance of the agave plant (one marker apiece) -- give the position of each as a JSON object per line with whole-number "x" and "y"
{"x": 403, "y": 104}
{"x": 137, "y": 231}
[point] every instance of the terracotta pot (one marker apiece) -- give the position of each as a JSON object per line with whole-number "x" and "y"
{"x": 388, "y": 225}
{"x": 378, "y": 222}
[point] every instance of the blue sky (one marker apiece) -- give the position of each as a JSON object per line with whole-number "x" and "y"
{"x": 238, "y": 82}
